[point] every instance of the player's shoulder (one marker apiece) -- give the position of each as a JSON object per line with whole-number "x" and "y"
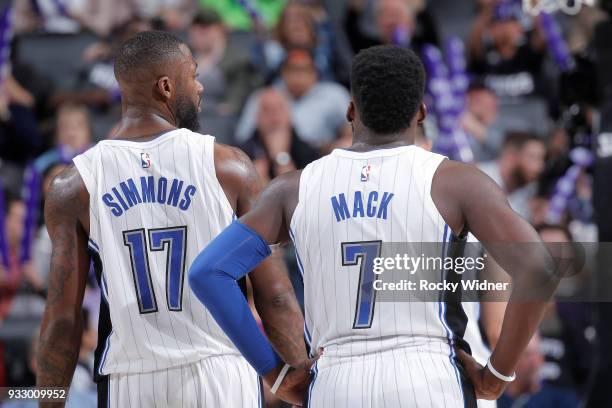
{"x": 232, "y": 162}
{"x": 67, "y": 195}
{"x": 67, "y": 179}
{"x": 462, "y": 182}
{"x": 225, "y": 152}
{"x": 234, "y": 170}
{"x": 456, "y": 172}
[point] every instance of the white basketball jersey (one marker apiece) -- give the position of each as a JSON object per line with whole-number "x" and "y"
{"x": 153, "y": 207}
{"x": 350, "y": 203}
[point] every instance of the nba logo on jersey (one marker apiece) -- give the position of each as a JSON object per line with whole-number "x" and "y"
{"x": 145, "y": 160}
{"x": 365, "y": 172}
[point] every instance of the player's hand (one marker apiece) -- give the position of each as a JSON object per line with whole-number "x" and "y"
{"x": 486, "y": 385}
{"x": 295, "y": 385}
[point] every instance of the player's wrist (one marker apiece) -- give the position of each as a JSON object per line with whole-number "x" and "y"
{"x": 502, "y": 373}
{"x": 279, "y": 379}
{"x": 271, "y": 376}
{"x": 491, "y": 387}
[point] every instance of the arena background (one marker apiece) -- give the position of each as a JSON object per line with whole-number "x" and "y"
{"x": 526, "y": 98}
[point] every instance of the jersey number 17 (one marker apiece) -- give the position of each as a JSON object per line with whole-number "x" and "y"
{"x": 173, "y": 240}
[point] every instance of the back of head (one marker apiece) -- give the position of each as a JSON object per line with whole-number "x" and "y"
{"x": 156, "y": 70}
{"x": 144, "y": 54}
{"x": 387, "y": 84}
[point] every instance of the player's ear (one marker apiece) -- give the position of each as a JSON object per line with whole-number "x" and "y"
{"x": 350, "y": 112}
{"x": 165, "y": 87}
{"x": 421, "y": 114}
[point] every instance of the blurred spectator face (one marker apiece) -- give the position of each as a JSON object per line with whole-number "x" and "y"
{"x": 482, "y": 103}
{"x": 299, "y": 73}
{"x": 531, "y": 160}
{"x": 204, "y": 37}
{"x": 528, "y": 369}
{"x": 73, "y": 127}
{"x": 506, "y": 33}
{"x": 14, "y": 222}
{"x": 273, "y": 113}
{"x": 296, "y": 27}
{"x": 393, "y": 15}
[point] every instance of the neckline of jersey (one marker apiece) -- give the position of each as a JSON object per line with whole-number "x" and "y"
{"x": 158, "y": 139}
{"x": 384, "y": 152}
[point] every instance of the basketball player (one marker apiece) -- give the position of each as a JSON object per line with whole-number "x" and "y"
{"x": 141, "y": 207}
{"x": 339, "y": 211}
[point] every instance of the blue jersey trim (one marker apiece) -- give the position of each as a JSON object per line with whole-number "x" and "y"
{"x": 442, "y": 311}
{"x": 313, "y": 371}
{"x": 307, "y": 335}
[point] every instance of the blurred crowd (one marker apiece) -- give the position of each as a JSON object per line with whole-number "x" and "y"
{"x": 275, "y": 76}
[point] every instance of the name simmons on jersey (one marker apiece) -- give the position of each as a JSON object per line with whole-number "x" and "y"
{"x": 148, "y": 190}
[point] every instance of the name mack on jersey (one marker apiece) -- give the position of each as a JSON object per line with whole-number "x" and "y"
{"x": 375, "y": 205}
{"x": 161, "y": 191}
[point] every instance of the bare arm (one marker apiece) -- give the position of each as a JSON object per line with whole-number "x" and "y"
{"x": 279, "y": 309}
{"x": 271, "y": 280}
{"x": 469, "y": 199}
{"x": 271, "y": 214}
{"x": 60, "y": 334}
{"x": 272, "y": 290}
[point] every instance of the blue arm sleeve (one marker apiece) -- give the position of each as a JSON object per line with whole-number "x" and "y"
{"x": 212, "y": 277}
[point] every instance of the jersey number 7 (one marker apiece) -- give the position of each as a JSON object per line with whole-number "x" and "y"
{"x": 363, "y": 253}
{"x": 173, "y": 240}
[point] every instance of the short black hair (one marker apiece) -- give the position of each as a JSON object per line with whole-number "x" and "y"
{"x": 144, "y": 51}
{"x": 206, "y": 17}
{"x": 478, "y": 84}
{"x": 387, "y": 84}
{"x": 517, "y": 139}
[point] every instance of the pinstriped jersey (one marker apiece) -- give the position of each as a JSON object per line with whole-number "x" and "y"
{"x": 153, "y": 206}
{"x": 351, "y": 203}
